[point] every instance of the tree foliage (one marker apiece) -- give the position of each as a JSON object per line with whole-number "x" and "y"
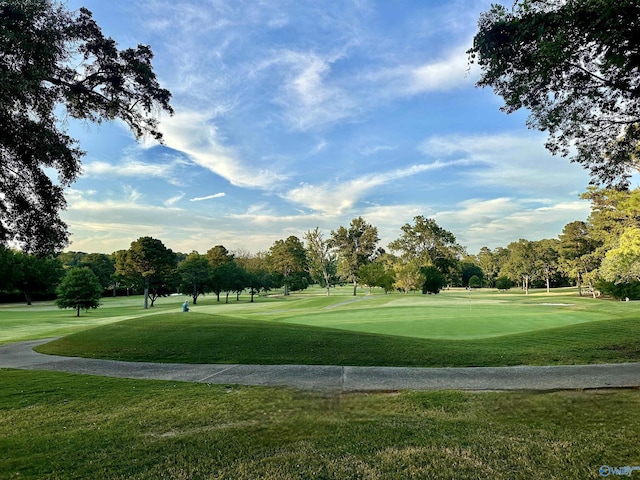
{"x": 102, "y": 265}
{"x": 36, "y": 275}
{"x": 289, "y": 257}
{"x": 575, "y": 65}
{"x": 434, "y": 280}
{"x": 150, "y": 264}
{"x": 503, "y": 283}
{"x": 80, "y": 289}
{"x": 322, "y": 263}
{"x": 409, "y": 277}
{"x": 428, "y": 244}
{"x": 468, "y": 270}
{"x": 620, "y": 291}
{"x": 547, "y": 260}
{"x": 375, "y": 274}
{"x": 576, "y": 251}
{"x": 356, "y": 246}
{"x": 622, "y": 264}
{"x": 521, "y": 265}
{"x": 57, "y": 63}
{"x": 195, "y": 274}
{"x": 218, "y": 255}
{"x": 475, "y": 282}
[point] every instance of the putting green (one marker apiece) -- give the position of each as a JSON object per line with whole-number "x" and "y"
{"x": 447, "y": 316}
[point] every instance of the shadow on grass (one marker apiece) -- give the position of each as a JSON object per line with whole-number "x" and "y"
{"x": 204, "y": 338}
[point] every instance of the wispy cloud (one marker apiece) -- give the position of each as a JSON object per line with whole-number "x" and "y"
{"x": 442, "y": 75}
{"x": 309, "y": 94}
{"x": 174, "y": 200}
{"x": 336, "y": 198}
{"x": 518, "y": 163}
{"x": 499, "y": 221}
{"x": 132, "y": 168}
{"x": 208, "y": 197}
{"x": 408, "y": 77}
{"x": 195, "y": 134}
{"x": 374, "y": 149}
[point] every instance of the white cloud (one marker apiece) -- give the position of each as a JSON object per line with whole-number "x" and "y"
{"x": 194, "y": 134}
{"x": 336, "y": 198}
{"x": 173, "y": 200}
{"x": 443, "y": 75}
{"x": 517, "y": 163}
{"x": 374, "y": 149}
{"x": 128, "y": 169}
{"x": 131, "y": 193}
{"x": 309, "y": 94}
{"x": 408, "y": 78}
{"x": 499, "y": 221}
{"x": 208, "y": 197}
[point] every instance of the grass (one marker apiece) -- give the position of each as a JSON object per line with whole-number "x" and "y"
{"x": 64, "y": 426}
{"x": 452, "y": 329}
{"x": 20, "y": 322}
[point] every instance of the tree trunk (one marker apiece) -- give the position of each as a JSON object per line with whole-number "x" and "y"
{"x": 227, "y": 299}
{"x": 252, "y": 292}
{"x": 355, "y": 287}
{"x": 27, "y": 297}
{"x": 146, "y": 294}
{"x": 579, "y": 282}
{"x": 78, "y": 313}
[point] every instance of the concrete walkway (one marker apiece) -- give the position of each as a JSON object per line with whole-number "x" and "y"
{"x": 334, "y": 378}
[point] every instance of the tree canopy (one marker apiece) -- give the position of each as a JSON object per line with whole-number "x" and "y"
{"x": 575, "y": 65}
{"x": 196, "y": 276}
{"x": 355, "y": 246}
{"x": 427, "y": 244}
{"x": 56, "y": 63}
{"x": 80, "y": 288}
{"x": 321, "y": 262}
{"x": 288, "y": 257}
{"x": 149, "y": 263}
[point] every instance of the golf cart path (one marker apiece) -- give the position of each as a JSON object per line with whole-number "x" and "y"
{"x": 335, "y": 378}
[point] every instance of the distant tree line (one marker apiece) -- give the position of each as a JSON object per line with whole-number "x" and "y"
{"x": 599, "y": 255}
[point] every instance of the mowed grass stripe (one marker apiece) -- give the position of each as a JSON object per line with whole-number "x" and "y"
{"x": 448, "y": 322}
{"x": 203, "y": 338}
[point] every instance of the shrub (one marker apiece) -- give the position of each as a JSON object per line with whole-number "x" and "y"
{"x": 503, "y": 283}
{"x": 620, "y": 291}
{"x": 434, "y": 280}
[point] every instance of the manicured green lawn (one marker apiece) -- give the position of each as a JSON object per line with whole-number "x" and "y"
{"x": 456, "y": 328}
{"x": 43, "y": 319}
{"x": 55, "y": 425}
{"x": 64, "y": 426}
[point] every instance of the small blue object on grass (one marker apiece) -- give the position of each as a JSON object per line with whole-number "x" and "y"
{"x": 185, "y": 306}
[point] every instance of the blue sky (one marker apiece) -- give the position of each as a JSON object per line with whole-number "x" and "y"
{"x": 296, "y": 114}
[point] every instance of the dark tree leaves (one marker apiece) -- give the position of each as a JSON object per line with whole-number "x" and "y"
{"x": 55, "y": 63}
{"x": 575, "y": 65}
